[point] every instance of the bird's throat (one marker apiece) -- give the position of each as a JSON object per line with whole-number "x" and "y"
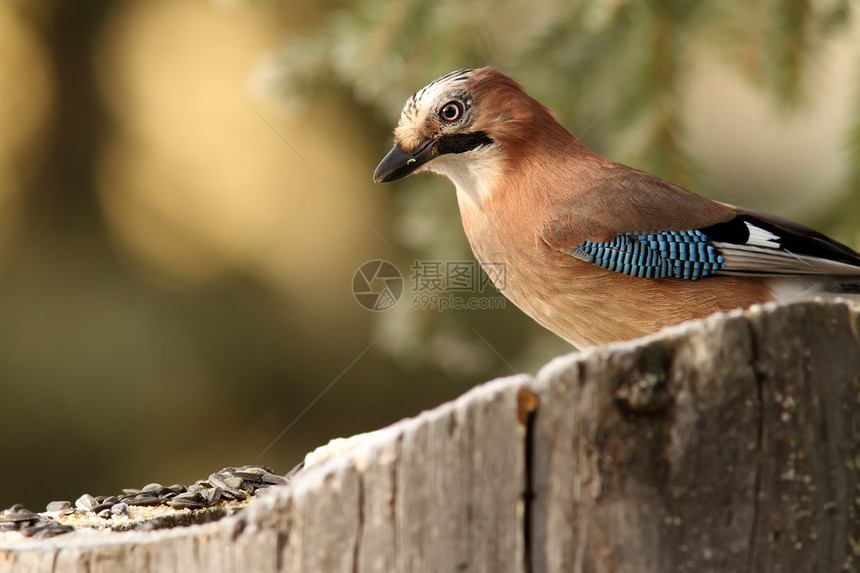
{"x": 474, "y": 173}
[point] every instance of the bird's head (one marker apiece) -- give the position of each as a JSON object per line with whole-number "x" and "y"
{"x": 465, "y": 125}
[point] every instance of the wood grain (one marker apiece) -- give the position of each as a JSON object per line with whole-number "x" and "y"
{"x": 729, "y": 444}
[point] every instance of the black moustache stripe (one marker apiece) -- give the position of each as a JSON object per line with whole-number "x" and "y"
{"x": 461, "y": 142}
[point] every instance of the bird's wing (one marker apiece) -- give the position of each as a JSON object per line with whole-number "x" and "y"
{"x": 754, "y": 243}
{"x": 642, "y": 226}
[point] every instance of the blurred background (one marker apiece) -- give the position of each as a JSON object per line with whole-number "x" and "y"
{"x": 185, "y": 197}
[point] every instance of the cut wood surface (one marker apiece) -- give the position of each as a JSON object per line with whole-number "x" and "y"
{"x": 729, "y": 444}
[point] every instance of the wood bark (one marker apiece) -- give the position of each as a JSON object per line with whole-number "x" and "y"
{"x": 730, "y": 444}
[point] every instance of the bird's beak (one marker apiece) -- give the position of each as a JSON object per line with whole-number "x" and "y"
{"x": 399, "y": 163}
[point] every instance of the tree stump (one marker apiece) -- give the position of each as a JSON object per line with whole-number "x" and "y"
{"x": 729, "y": 444}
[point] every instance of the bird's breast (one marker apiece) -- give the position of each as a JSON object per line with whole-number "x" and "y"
{"x": 505, "y": 238}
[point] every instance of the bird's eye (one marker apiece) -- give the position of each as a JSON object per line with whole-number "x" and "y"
{"x": 451, "y": 111}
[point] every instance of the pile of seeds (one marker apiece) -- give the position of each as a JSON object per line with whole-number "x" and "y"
{"x": 151, "y": 507}
{"x": 19, "y": 518}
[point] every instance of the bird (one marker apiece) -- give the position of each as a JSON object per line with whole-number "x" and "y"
{"x": 593, "y": 250}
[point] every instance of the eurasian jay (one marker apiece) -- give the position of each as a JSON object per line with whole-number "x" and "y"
{"x": 593, "y": 250}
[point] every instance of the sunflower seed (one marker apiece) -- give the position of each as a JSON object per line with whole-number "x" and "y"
{"x": 18, "y": 516}
{"x": 275, "y": 479}
{"x": 85, "y": 502}
{"x": 32, "y": 530}
{"x": 217, "y": 479}
{"x": 144, "y": 499}
{"x": 58, "y": 505}
{"x": 186, "y": 504}
{"x": 234, "y": 494}
{"x": 189, "y": 496}
{"x": 119, "y": 508}
{"x": 101, "y": 507}
{"x": 214, "y": 495}
{"x": 260, "y": 470}
{"x": 51, "y": 529}
{"x": 249, "y": 475}
{"x": 151, "y": 488}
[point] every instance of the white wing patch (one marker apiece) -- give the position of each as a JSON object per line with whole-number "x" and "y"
{"x": 761, "y": 238}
